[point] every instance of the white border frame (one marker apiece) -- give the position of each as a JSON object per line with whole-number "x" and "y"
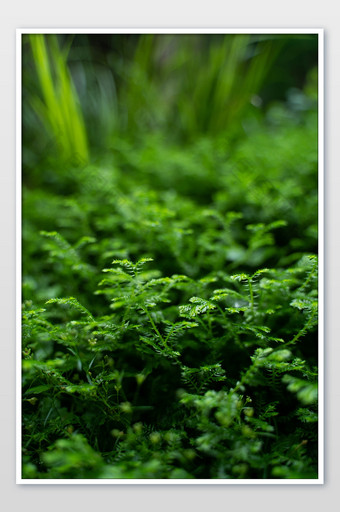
{"x": 316, "y": 31}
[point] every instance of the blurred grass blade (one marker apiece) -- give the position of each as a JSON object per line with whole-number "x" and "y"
{"x": 59, "y": 108}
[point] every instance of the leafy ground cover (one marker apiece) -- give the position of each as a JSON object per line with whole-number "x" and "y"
{"x": 169, "y": 324}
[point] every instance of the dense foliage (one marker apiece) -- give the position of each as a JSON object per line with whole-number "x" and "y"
{"x": 170, "y": 257}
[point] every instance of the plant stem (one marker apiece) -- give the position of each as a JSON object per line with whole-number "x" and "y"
{"x": 154, "y": 326}
{"x": 251, "y": 294}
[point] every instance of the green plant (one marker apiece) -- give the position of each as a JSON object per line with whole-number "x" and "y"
{"x": 170, "y": 308}
{"x": 229, "y": 356}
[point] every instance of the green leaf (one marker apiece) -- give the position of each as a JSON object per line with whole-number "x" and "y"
{"x": 307, "y": 392}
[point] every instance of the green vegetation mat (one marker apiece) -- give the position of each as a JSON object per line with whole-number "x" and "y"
{"x": 170, "y": 234}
